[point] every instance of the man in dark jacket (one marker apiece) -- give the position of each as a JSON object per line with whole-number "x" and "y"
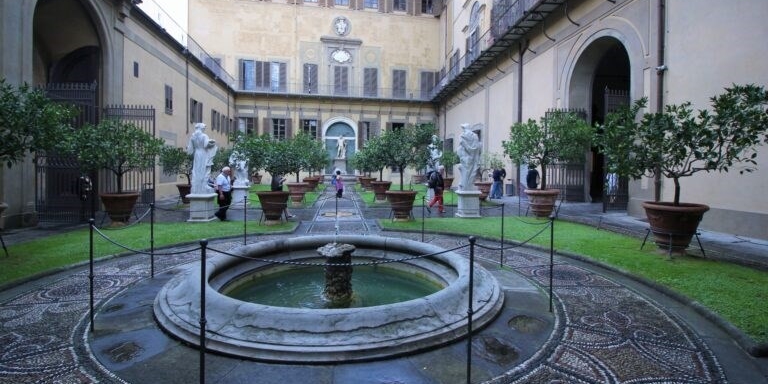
{"x": 438, "y": 185}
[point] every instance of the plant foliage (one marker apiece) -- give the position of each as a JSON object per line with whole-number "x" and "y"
{"x": 29, "y": 122}
{"x": 679, "y": 142}
{"x": 176, "y": 161}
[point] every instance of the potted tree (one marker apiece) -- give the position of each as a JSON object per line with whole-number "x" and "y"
{"x": 559, "y": 136}
{"x": 295, "y": 154}
{"x": 119, "y": 148}
{"x": 262, "y": 153}
{"x": 176, "y": 161}
{"x": 372, "y": 155}
{"x": 678, "y": 142}
{"x": 29, "y": 122}
{"x": 449, "y": 159}
{"x": 361, "y": 161}
{"x": 317, "y": 159}
{"x": 403, "y": 148}
{"x": 490, "y": 161}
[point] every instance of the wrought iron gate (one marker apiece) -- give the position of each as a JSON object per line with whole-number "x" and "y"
{"x": 616, "y": 187}
{"x": 62, "y": 192}
{"x": 569, "y": 178}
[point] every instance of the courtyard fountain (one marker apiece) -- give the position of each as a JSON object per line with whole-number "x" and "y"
{"x": 339, "y": 332}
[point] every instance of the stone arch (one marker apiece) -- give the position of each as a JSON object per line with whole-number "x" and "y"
{"x": 609, "y": 58}
{"x": 333, "y": 129}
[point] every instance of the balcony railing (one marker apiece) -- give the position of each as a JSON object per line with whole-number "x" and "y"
{"x": 330, "y": 90}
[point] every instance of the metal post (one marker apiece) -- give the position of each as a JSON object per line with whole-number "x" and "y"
{"x": 501, "y": 245}
{"x": 91, "y": 222}
{"x": 203, "y": 245}
{"x": 551, "y": 256}
{"x": 423, "y": 208}
{"x": 152, "y": 240}
{"x": 470, "y": 311}
{"x": 245, "y": 219}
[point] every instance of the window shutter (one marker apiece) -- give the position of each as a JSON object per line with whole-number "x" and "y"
{"x": 360, "y": 134}
{"x": 398, "y": 83}
{"x": 283, "y": 87}
{"x": 340, "y": 80}
{"x": 288, "y": 128}
{"x": 310, "y": 78}
{"x": 370, "y": 82}
{"x": 267, "y": 128}
{"x": 262, "y": 75}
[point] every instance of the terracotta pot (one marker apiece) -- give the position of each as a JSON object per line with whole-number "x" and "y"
{"x": 312, "y": 182}
{"x": 380, "y": 189}
{"x": 119, "y": 206}
{"x": 184, "y": 190}
{"x": 673, "y": 226}
{"x": 401, "y": 203}
{"x": 484, "y": 187}
{"x": 297, "y": 191}
{"x": 273, "y": 204}
{"x": 365, "y": 181}
{"x": 542, "y": 201}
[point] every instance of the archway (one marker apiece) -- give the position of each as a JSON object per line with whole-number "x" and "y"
{"x": 340, "y": 139}
{"x": 602, "y": 69}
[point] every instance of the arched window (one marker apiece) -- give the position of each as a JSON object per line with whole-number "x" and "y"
{"x": 473, "y": 39}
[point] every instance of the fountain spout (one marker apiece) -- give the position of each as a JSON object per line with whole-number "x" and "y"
{"x": 338, "y": 273}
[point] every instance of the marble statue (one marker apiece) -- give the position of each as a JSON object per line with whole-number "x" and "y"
{"x": 203, "y": 150}
{"x": 469, "y": 154}
{"x": 341, "y": 148}
{"x": 240, "y": 165}
{"x": 434, "y": 155}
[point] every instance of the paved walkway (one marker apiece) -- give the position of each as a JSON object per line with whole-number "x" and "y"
{"x": 605, "y": 328}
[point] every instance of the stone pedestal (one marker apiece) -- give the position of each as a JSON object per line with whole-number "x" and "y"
{"x": 468, "y": 204}
{"x": 340, "y": 164}
{"x": 202, "y": 206}
{"x": 239, "y": 192}
{"x": 338, "y": 273}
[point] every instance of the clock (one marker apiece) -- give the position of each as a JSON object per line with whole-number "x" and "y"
{"x": 341, "y": 56}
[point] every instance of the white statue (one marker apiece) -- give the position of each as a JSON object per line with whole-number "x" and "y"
{"x": 240, "y": 165}
{"x": 469, "y": 154}
{"x": 341, "y": 148}
{"x": 203, "y": 149}
{"x": 434, "y": 155}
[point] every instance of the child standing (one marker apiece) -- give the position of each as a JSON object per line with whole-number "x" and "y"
{"x": 339, "y": 185}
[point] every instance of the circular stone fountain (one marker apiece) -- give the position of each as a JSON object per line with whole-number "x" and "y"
{"x": 288, "y": 334}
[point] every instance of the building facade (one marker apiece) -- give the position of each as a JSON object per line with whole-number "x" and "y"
{"x": 353, "y": 68}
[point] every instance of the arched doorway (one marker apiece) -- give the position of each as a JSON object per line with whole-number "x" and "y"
{"x": 340, "y": 142}
{"x": 67, "y": 56}
{"x": 600, "y": 83}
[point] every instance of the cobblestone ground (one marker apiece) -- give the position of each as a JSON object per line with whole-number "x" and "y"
{"x": 604, "y": 331}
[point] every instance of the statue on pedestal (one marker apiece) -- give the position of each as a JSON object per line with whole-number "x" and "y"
{"x": 203, "y": 150}
{"x": 469, "y": 154}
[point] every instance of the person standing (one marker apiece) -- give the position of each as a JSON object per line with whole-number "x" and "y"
{"x": 498, "y": 179}
{"x": 437, "y": 183}
{"x": 224, "y": 191}
{"x": 339, "y": 185}
{"x": 532, "y": 178}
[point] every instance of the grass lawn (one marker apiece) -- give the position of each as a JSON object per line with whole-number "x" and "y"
{"x": 56, "y": 251}
{"x": 738, "y": 294}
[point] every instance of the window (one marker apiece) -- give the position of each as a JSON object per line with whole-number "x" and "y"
{"x": 340, "y": 80}
{"x": 399, "y": 5}
{"x": 195, "y": 111}
{"x": 341, "y": 2}
{"x": 473, "y": 40}
{"x": 247, "y": 125}
{"x": 370, "y": 82}
{"x": 279, "y": 131}
{"x": 247, "y": 75}
{"x": 215, "y": 120}
{"x": 428, "y": 82}
{"x": 398, "y": 83}
{"x": 309, "y": 127}
{"x": 135, "y": 69}
{"x": 264, "y": 76}
{"x": 426, "y": 6}
{"x": 310, "y": 78}
{"x": 168, "y": 99}
{"x": 454, "y": 70}
{"x": 372, "y": 4}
